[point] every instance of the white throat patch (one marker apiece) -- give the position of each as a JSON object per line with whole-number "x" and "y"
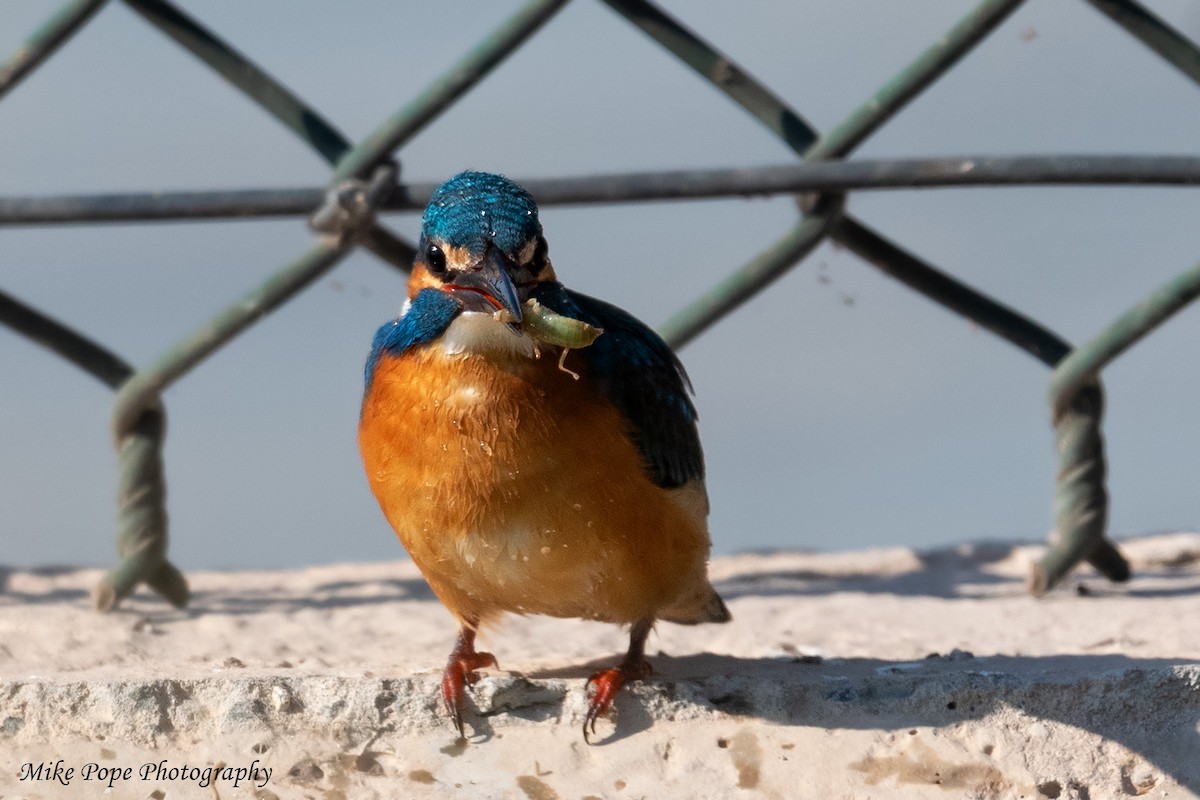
{"x": 479, "y": 333}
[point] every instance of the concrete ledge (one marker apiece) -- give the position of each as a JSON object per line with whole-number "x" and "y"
{"x": 1098, "y": 695}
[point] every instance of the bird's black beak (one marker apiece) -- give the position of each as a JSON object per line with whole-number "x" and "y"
{"x": 490, "y": 278}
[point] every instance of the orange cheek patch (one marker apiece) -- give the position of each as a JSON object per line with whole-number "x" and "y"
{"x": 457, "y": 258}
{"x": 421, "y": 279}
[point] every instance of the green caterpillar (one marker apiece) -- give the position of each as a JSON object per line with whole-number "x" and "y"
{"x": 552, "y": 328}
{"x": 543, "y": 324}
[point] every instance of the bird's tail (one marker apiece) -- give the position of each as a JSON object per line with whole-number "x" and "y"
{"x": 696, "y": 609}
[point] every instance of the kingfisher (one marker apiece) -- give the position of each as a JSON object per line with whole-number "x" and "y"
{"x": 534, "y": 449}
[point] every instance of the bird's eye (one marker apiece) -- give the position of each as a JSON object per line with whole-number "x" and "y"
{"x": 435, "y": 259}
{"x": 538, "y": 263}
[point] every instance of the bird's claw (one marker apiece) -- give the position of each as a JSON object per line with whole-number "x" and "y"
{"x": 460, "y": 672}
{"x": 608, "y": 683}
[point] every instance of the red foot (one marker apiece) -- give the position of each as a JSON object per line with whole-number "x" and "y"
{"x": 460, "y": 671}
{"x": 608, "y": 683}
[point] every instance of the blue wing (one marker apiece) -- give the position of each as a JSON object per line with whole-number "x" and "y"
{"x": 645, "y": 381}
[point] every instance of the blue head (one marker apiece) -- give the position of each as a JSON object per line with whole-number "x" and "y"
{"x": 475, "y": 208}
{"x": 482, "y": 243}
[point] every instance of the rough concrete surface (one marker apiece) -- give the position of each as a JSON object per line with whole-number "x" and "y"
{"x": 871, "y": 674}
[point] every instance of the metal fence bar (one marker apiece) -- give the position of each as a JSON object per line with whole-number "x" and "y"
{"x": 1073, "y": 394}
{"x": 1085, "y": 485}
{"x": 767, "y": 108}
{"x": 822, "y": 176}
{"x": 52, "y": 34}
{"x": 913, "y": 79}
{"x": 146, "y": 385}
{"x": 275, "y": 98}
{"x": 1154, "y": 33}
{"x": 720, "y": 70}
{"x": 347, "y": 219}
{"x": 801, "y": 136}
{"x": 352, "y": 160}
{"x": 1086, "y": 362}
{"x": 472, "y": 68}
{"x": 1081, "y": 501}
{"x": 142, "y": 516}
{"x": 1074, "y": 478}
{"x": 137, "y": 420}
{"x": 743, "y": 284}
{"x": 251, "y": 79}
{"x": 737, "y": 84}
{"x": 100, "y": 363}
{"x": 895, "y": 262}
{"x": 140, "y": 454}
{"x": 142, "y": 519}
{"x": 141, "y": 528}
{"x": 142, "y": 548}
{"x": 1081, "y": 505}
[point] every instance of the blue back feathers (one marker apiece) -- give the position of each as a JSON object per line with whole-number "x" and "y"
{"x": 473, "y": 208}
{"x": 430, "y": 314}
{"x": 643, "y": 378}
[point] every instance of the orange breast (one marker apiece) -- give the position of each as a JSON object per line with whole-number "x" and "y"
{"x": 514, "y": 488}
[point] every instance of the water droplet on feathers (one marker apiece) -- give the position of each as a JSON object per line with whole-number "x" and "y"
{"x": 485, "y": 447}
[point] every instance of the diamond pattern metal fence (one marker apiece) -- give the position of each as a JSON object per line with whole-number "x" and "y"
{"x": 365, "y": 180}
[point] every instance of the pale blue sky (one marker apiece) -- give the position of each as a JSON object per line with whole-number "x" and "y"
{"x": 826, "y": 425}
